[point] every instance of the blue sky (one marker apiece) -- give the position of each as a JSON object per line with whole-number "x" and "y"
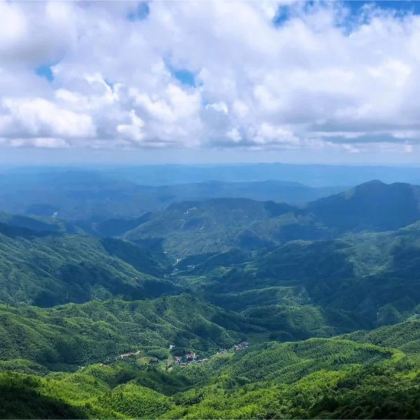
{"x": 327, "y": 81}
{"x": 405, "y": 6}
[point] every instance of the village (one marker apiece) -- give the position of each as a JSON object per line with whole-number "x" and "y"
{"x": 193, "y": 358}
{"x": 189, "y": 358}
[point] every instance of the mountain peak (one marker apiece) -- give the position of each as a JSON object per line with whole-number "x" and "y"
{"x": 371, "y": 205}
{"x": 373, "y": 182}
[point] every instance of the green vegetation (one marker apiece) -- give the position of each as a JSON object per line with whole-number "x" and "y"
{"x": 68, "y": 336}
{"x": 55, "y": 269}
{"x": 327, "y": 378}
{"x": 225, "y": 308}
{"x": 220, "y": 225}
{"x": 316, "y": 288}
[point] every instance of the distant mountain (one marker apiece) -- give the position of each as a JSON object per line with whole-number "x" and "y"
{"x": 113, "y": 227}
{"x": 197, "y": 227}
{"x": 218, "y": 225}
{"x": 69, "y": 194}
{"x": 279, "y": 191}
{"x": 11, "y": 224}
{"x": 98, "y": 195}
{"x": 48, "y": 189}
{"x": 312, "y": 175}
{"x": 370, "y": 206}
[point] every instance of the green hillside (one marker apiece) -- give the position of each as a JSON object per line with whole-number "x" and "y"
{"x": 321, "y": 288}
{"x": 330, "y": 378}
{"x": 49, "y": 270}
{"x": 405, "y": 336}
{"x": 72, "y": 335}
{"x": 199, "y": 227}
{"x": 217, "y": 225}
{"x": 225, "y": 308}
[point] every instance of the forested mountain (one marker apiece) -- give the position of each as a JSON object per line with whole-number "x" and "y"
{"x": 215, "y": 225}
{"x": 215, "y": 308}
{"x": 97, "y": 195}
{"x": 72, "y": 335}
{"x": 370, "y": 206}
{"x": 317, "y": 288}
{"x": 222, "y": 224}
{"x": 47, "y": 270}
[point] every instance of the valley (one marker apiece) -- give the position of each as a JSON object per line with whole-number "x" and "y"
{"x": 209, "y": 209}
{"x": 218, "y": 308}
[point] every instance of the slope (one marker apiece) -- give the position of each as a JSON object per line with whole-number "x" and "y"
{"x": 191, "y": 228}
{"x": 318, "y": 378}
{"x": 369, "y": 206}
{"x": 50, "y": 269}
{"x": 72, "y": 335}
{"x": 305, "y": 288}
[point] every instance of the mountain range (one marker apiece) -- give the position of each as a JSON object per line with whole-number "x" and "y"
{"x": 94, "y": 195}
{"x": 214, "y": 307}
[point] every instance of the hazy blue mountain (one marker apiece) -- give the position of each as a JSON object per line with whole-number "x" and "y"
{"x": 98, "y": 195}
{"x": 312, "y": 175}
{"x": 370, "y": 206}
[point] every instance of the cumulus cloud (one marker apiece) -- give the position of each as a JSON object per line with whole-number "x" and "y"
{"x": 37, "y": 117}
{"x": 254, "y": 74}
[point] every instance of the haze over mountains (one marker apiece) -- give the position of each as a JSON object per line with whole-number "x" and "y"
{"x": 98, "y": 194}
{"x": 156, "y": 259}
{"x": 107, "y": 192}
{"x": 109, "y": 287}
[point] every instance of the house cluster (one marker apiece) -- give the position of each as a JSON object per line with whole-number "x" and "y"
{"x": 241, "y": 346}
{"x": 188, "y": 358}
{"x": 237, "y": 347}
{"x": 192, "y": 357}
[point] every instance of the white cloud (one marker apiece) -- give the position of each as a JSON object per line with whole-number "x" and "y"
{"x": 42, "y": 142}
{"x": 134, "y": 130}
{"x": 37, "y": 117}
{"x": 317, "y": 80}
{"x": 268, "y": 133}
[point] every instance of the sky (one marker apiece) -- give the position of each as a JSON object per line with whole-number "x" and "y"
{"x": 210, "y": 81}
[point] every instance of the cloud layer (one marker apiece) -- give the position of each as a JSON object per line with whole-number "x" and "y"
{"x": 202, "y": 74}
